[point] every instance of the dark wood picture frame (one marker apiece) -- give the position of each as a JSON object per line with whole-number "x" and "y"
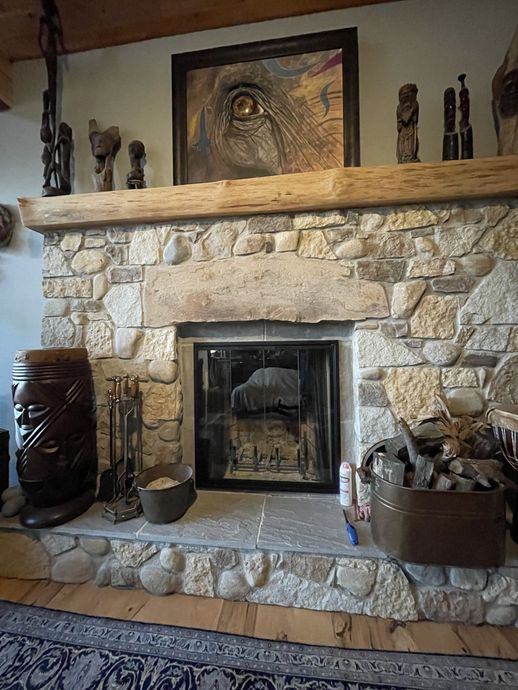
{"x": 344, "y": 39}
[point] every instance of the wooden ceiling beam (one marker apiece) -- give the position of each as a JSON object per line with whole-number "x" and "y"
{"x": 6, "y": 83}
{"x": 90, "y": 24}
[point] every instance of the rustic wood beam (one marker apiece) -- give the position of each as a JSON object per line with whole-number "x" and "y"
{"x": 383, "y": 185}
{"x": 92, "y": 24}
{"x": 6, "y": 83}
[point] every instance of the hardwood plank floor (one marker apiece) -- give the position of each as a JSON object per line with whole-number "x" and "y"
{"x": 267, "y": 622}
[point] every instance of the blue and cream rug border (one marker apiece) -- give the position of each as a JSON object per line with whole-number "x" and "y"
{"x": 43, "y": 649}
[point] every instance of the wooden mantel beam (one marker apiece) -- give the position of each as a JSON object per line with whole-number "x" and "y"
{"x": 6, "y": 83}
{"x": 383, "y": 185}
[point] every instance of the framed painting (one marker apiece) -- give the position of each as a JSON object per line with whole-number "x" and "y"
{"x": 282, "y": 106}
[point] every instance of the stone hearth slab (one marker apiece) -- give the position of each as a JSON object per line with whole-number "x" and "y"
{"x": 216, "y": 519}
{"x": 93, "y": 524}
{"x": 311, "y": 525}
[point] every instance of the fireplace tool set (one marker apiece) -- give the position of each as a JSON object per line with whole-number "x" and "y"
{"x": 125, "y": 418}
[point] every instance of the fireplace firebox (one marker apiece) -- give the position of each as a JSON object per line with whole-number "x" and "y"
{"x": 267, "y": 415}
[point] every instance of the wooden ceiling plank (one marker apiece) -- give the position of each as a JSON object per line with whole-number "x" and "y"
{"x": 6, "y": 83}
{"x": 90, "y": 24}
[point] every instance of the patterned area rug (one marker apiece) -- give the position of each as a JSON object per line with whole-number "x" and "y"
{"x": 42, "y": 649}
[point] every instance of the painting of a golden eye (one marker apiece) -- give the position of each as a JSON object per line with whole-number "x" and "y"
{"x": 244, "y": 105}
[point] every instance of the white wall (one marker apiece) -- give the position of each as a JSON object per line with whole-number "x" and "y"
{"x": 425, "y": 42}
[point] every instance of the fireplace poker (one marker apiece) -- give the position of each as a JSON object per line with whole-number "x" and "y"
{"x": 351, "y": 531}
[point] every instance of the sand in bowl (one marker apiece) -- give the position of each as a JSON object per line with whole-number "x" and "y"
{"x": 162, "y": 483}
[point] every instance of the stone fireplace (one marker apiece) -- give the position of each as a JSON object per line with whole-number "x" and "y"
{"x": 424, "y": 299}
{"x": 418, "y": 299}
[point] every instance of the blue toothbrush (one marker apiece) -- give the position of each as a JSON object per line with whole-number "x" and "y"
{"x": 351, "y": 531}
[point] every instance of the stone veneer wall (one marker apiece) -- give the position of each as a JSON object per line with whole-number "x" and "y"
{"x": 367, "y": 586}
{"x": 433, "y": 292}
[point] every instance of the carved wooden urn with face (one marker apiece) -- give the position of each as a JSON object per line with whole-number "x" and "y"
{"x": 54, "y": 410}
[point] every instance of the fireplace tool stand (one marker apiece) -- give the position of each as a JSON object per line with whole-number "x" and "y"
{"x": 125, "y": 419}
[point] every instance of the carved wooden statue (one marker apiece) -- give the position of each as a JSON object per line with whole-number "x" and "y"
{"x": 57, "y": 141}
{"x": 450, "y": 140}
{"x": 505, "y": 101}
{"x": 105, "y": 146}
{"x": 6, "y": 226}
{"x": 466, "y": 131}
{"x": 407, "y": 117}
{"x": 135, "y": 177}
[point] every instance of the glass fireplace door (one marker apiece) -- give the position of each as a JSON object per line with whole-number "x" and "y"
{"x": 266, "y": 416}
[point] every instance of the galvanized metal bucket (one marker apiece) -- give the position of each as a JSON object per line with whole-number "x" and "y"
{"x": 459, "y": 528}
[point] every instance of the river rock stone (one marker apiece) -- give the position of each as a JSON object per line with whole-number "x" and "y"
{"x": 177, "y": 250}
{"x": 374, "y": 350}
{"x": 124, "y": 577}
{"x": 461, "y": 377}
{"x": 73, "y": 567}
{"x": 126, "y": 341}
{"x": 67, "y": 287}
{"x": 387, "y": 270}
{"x": 144, "y": 247}
{"x": 413, "y": 218}
{"x": 10, "y": 493}
{"x": 58, "y": 543}
{"x": 162, "y": 402}
{"x": 197, "y": 578}
{"x": 405, "y": 296}
{"x": 370, "y": 222}
{"x": 477, "y": 264}
{"x": 441, "y": 354}
{"x": 286, "y": 241}
{"x": 132, "y": 554}
{"x": 494, "y": 300}
{"x": 98, "y": 340}
{"x": 172, "y": 560}
{"x": 169, "y": 431}
{"x": 490, "y": 338}
{"x": 163, "y": 371}
{"x": 124, "y": 305}
{"x": 256, "y": 567}
{"x": 103, "y": 575}
{"x": 271, "y": 286}
{"x": 392, "y": 595}
{"x": 316, "y": 568}
{"x": 504, "y": 386}
{"x": 412, "y": 390}
{"x": 356, "y": 575}
{"x": 501, "y": 615}
{"x": 351, "y": 249}
{"x": 157, "y": 581}
{"x": 233, "y": 585}
{"x": 458, "y": 241}
{"x": 58, "y": 331}
{"x": 249, "y": 244}
{"x": 100, "y": 286}
{"x": 95, "y": 546}
{"x": 427, "y": 574}
{"x": 468, "y": 578}
{"x": 465, "y": 401}
{"x": 426, "y": 268}
{"x": 435, "y": 317}
{"x": 450, "y": 606}
{"x": 376, "y": 423}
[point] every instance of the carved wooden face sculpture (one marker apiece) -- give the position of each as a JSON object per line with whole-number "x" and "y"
{"x": 54, "y": 432}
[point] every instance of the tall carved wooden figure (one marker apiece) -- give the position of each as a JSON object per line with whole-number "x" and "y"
{"x": 407, "y": 115}
{"x": 54, "y": 410}
{"x": 505, "y": 101}
{"x": 465, "y": 128}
